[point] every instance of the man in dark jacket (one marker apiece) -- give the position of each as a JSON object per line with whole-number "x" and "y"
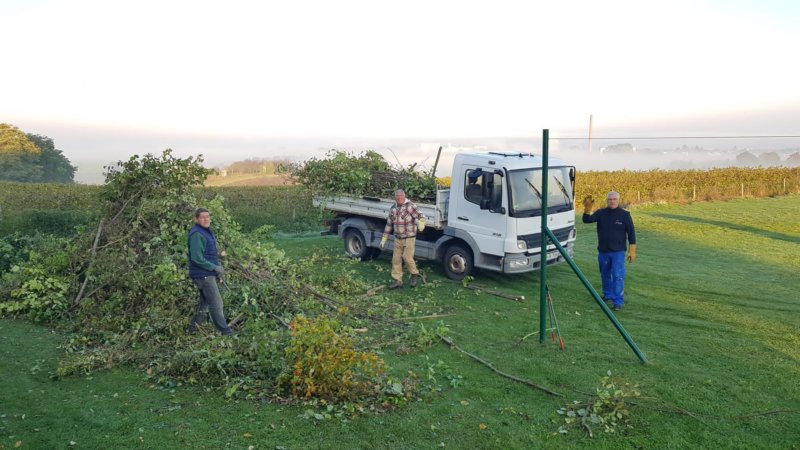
{"x": 204, "y": 268}
{"x": 614, "y": 227}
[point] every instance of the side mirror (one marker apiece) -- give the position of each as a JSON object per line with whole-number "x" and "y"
{"x": 484, "y": 203}
{"x": 475, "y": 173}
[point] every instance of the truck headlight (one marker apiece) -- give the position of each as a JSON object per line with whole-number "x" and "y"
{"x": 522, "y": 245}
{"x": 573, "y": 234}
{"x": 514, "y": 263}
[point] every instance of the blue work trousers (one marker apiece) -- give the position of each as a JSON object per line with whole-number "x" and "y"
{"x": 209, "y": 303}
{"x": 612, "y": 273}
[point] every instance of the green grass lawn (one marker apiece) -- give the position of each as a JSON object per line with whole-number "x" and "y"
{"x": 713, "y": 301}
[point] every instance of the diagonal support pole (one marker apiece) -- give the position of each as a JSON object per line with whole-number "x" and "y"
{"x": 596, "y": 296}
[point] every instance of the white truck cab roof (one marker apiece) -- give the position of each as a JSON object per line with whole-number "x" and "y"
{"x": 511, "y": 161}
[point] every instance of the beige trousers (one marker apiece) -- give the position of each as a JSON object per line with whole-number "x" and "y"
{"x": 403, "y": 251}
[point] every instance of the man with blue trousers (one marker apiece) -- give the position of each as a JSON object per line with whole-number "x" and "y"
{"x": 614, "y": 228}
{"x": 204, "y": 269}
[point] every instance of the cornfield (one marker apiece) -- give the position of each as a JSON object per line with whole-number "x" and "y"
{"x": 58, "y": 207}
{"x": 681, "y": 186}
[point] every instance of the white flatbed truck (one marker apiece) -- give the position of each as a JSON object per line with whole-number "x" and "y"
{"x": 489, "y": 218}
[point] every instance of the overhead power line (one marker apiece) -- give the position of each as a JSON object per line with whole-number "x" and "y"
{"x": 674, "y": 137}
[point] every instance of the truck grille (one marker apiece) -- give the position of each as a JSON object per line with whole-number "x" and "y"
{"x": 534, "y": 240}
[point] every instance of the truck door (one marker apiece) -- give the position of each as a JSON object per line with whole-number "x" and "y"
{"x": 479, "y": 210}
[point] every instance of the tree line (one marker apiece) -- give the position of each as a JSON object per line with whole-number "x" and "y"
{"x": 32, "y": 158}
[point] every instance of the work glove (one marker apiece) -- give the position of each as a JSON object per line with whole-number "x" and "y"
{"x": 588, "y": 205}
{"x": 421, "y": 225}
{"x": 383, "y": 241}
{"x": 632, "y": 253}
{"x": 219, "y": 271}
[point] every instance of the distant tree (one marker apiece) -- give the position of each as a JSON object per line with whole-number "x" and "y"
{"x": 31, "y": 158}
{"x": 255, "y": 165}
{"x": 769, "y": 159}
{"x": 56, "y": 168}
{"x": 619, "y": 149}
{"x": 18, "y": 156}
{"x": 793, "y": 160}
{"x": 746, "y": 159}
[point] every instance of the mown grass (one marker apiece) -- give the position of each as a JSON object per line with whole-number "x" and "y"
{"x": 712, "y": 301}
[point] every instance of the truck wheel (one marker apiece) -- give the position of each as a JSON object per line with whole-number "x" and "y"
{"x": 457, "y": 262}
{"x": 356, "y": 246}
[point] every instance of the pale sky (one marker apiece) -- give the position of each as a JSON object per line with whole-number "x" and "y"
{"x": 435, "y": 70}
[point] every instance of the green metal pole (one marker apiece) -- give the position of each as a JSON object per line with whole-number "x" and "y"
{"x": 543, "y": 241}
{"x": 596, "y": 296}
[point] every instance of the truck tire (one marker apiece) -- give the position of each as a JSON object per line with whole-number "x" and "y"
{"x": 356, "y": 246}
{"x": 457, "y": 262}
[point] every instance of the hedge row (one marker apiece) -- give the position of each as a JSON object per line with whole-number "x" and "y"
{"x": 287, "y": 208}
{"x": 57, "y": 208}
{"x": 46, "y": 207}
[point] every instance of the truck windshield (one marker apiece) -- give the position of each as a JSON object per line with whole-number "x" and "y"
{"x": 525, "y": 187}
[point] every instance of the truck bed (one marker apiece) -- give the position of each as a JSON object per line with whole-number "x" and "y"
{"x": 435, "y": 214}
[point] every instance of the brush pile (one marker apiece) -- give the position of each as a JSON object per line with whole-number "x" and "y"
{"x": 121, "y": 290}
{"x": 364, "y": 174}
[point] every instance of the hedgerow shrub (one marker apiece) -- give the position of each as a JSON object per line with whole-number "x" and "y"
{"x": 324, "y": 363}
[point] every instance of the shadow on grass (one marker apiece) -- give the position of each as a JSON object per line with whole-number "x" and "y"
{"x": 732, "y": 226}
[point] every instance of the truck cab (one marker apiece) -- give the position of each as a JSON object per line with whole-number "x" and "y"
{"x": 495, "y": 211}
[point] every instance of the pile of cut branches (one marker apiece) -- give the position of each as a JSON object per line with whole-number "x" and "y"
{"x": 121, "y": 289}
{"x": 367, "y": 173}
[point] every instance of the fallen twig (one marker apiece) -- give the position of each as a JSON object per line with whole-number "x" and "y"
{"x": 124, "y": 205}
{"x": 588, "y": 428}
{"x": 514, "y": 298}
{"x": 372, "y": 292}
{"x": 452, "y": 344}
{"x": 236, "y": 320}
{"x": 327, "y": 301}
{"x": 768, "y": 413}
{"x": 432, "y": 316}
{"x": 91, "y": 262}
{"x": 278, "y": 318}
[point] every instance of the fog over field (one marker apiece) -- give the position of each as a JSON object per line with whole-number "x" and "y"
{"x": 91, "y": 153}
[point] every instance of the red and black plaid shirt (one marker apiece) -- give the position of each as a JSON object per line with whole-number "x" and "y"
{"x": 403, "y": 219}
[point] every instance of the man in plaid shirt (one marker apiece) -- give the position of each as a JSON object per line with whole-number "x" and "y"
{"x": 405, "y": 219}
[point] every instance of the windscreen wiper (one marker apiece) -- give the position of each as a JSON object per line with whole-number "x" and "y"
{"x": 539, "y": 194}
{"x": 563, "y": 190}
